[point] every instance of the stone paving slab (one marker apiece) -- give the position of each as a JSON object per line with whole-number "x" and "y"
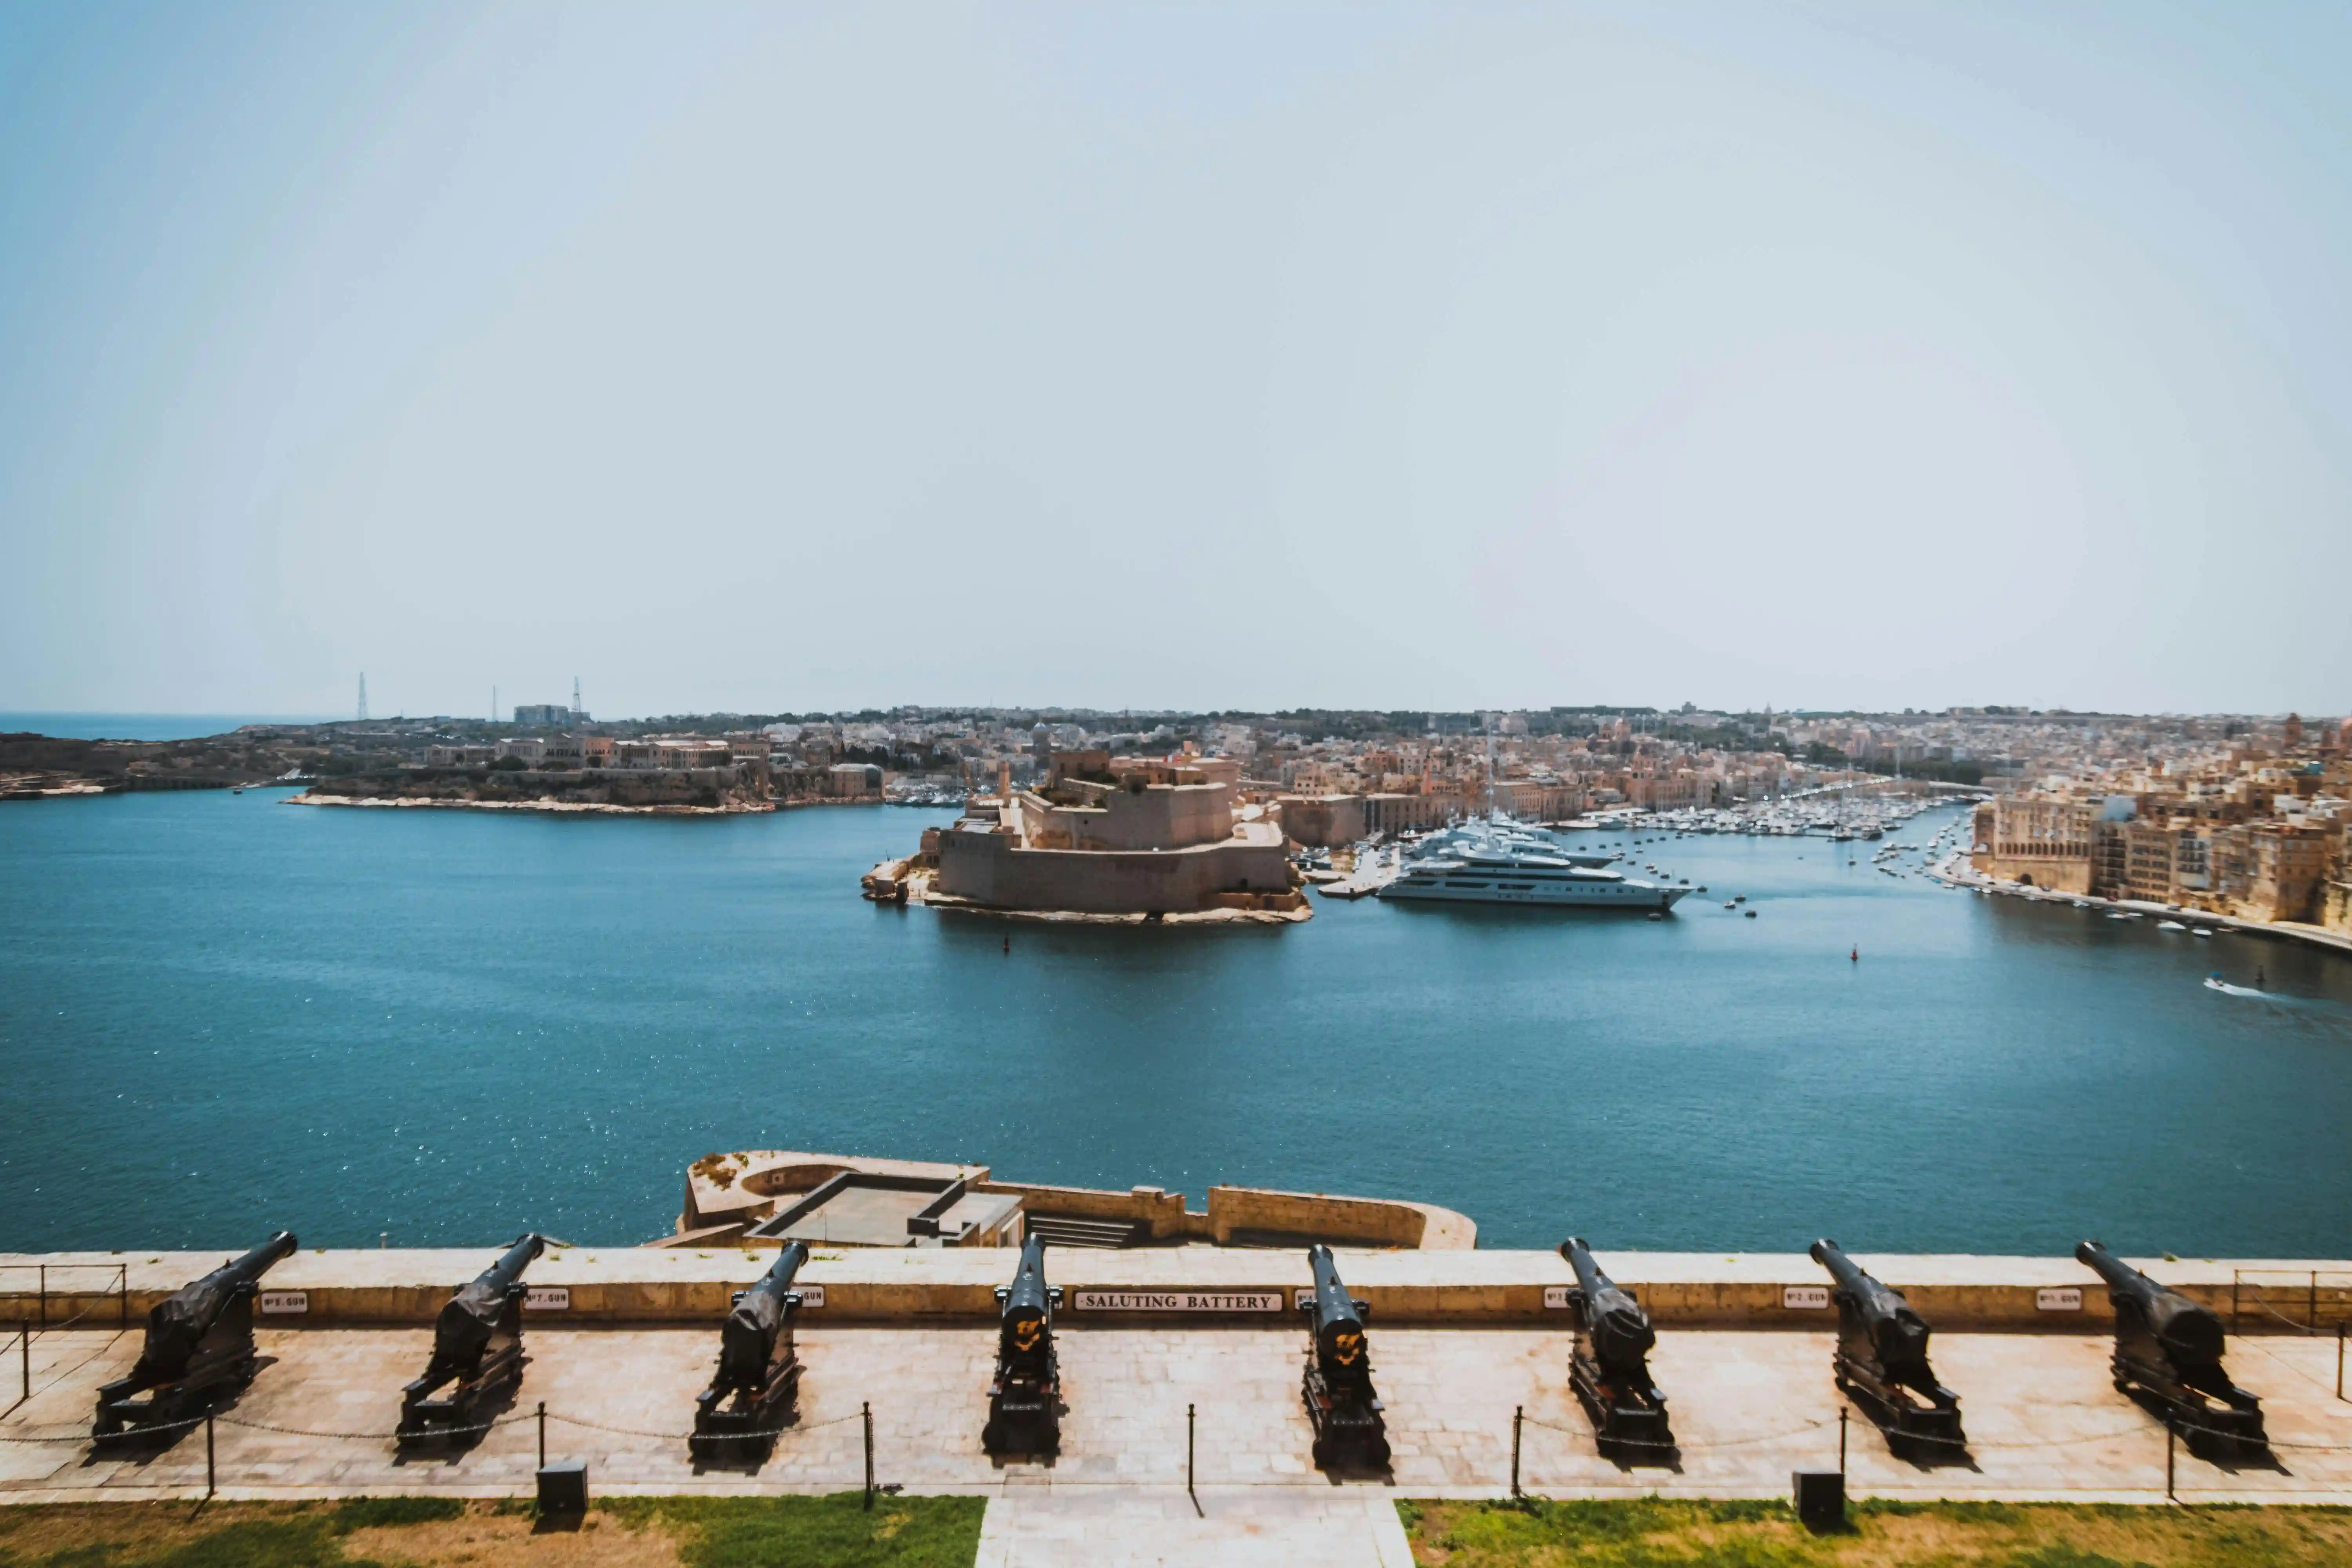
{"x": 1049, "y": 1527}
{"x": 1748, "y": 1406}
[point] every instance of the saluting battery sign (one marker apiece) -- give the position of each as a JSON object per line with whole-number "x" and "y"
{"x": 1178, "y": 1300}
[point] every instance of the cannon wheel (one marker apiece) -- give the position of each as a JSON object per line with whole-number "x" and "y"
{"x": 992, "y": 1437}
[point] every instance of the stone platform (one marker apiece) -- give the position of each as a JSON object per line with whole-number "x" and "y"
{"x": 1748, "y": 1406}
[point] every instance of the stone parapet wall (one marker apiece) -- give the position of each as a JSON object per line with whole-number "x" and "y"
{"x": 628, "y": 1285}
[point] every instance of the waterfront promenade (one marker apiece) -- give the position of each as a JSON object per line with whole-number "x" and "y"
{"x": 1955, "y": 871}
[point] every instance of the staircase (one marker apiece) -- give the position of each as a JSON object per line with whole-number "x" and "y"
{"x": 1069, "y": 1230}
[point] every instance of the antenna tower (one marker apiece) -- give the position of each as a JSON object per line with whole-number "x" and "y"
{"x": 363, "y": 694}
{"x": 575, "y": 697}
{"x": 494, "y": 704}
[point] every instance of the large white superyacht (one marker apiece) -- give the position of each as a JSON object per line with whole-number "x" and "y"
{"x": 1500, "y": 862}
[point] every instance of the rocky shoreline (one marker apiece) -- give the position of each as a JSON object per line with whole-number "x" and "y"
{"x": 908, "y": 880}
{"x": 559, "y": 807}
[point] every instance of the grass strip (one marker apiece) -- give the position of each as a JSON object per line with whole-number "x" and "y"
{"x": 1658, "y": 1532}
{"x": 420, "y": 1532}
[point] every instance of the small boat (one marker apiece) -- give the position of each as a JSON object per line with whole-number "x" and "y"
{"x": 1729, "y": 905}
{"x": 2202, "y": 930}
{"x": 1656, "y": 916}
{"x": 2171, "y": 925}
{"x": 1750, "y": 913}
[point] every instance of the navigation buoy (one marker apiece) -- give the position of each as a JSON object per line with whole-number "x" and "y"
{"x": 1855, "y": 956}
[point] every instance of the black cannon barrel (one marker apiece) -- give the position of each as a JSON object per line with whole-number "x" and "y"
{"x": 182, "y": 1318}
{"x": 748, "y": 1335}
{"x": 2188, "y": 1333}
{"x": 467, "y": 1319}
{"x": 1339, "y": 1318}
{"x": 777, "y": 1279}
{"x": 1621, "y": 1330}
{"x": 509, "y": 1268}
{"x": 1333, "y": 1306}
{"x": 1897, "y": 1332}
{"x": 1023, "y": 1324}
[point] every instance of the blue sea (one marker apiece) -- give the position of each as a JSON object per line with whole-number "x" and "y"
{"x": 220, "y": 1014}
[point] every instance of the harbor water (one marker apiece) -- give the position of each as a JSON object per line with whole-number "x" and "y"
{"x": 220, "y": 1014}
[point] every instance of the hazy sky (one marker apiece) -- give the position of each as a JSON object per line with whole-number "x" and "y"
{"x": 780, "y": 357}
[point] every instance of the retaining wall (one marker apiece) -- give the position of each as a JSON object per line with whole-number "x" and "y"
{"x": 1195, "y": 1285}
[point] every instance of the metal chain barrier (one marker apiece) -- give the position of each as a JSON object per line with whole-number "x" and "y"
{"x": 1684, "y": 1447}
{"x": 81, "y": 1434}
{"x": 77, "y": 1366}
{"x": 370, "y": 1436}
{"x": 683, "y": 1437}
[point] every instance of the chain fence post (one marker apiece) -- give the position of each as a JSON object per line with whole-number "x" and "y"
{"x": 2339, "y": 1360}
{"x": 209, "y": 1486}
{"x": 122, "y": 1289}
{"x": 1842, "y": 1415}
{"x": 542, "y": 1434}
{"x": 1519, "y": 1418}
{"x": 2170, "y": 1438}
{"x": 868, "y": 1412}
{"x": 1189, "y": 1491}
{"x": 24, "y": 1359}
{"x": 45, "y": 1295}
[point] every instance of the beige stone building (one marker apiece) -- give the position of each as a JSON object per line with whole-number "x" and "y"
{"x": 2039, "y": 840}
{"x": 2289, "y": 868}
{"x": 1145, "y": 837}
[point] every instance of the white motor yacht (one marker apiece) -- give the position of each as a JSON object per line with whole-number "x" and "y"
{"x": 1485, "y": 863}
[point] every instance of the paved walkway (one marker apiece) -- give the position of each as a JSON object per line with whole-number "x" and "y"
{"x": 1749, "y": 1408}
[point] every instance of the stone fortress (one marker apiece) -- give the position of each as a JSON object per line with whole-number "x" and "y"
{"x": 1106, "y": 837}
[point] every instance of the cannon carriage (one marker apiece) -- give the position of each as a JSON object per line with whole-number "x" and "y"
{"x": 1881, "y": 1364}
{"x": 199, "y": 1348}
{"x": 476, "y": 1351}
{"x": 1337, "y": 1387}
{"x": 1024, "y": 1397}
{"x": 2168, "y": 1359}
{"x": 753, "y": 1393}
{"x": 1609, "y": 1365}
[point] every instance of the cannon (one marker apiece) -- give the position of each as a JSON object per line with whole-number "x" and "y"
{"x": 1881, "y": 1364}
{"x": 1338, "y": 1386}
{"x": 759, "y": 1375}
{"x": 1025, "y": 1398}
{"x": 2168, "y": 1359}
{"x": 199, "y": 1345}
{"x": 1609, "y": 1366}
{"x": 476, "y": 1345}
